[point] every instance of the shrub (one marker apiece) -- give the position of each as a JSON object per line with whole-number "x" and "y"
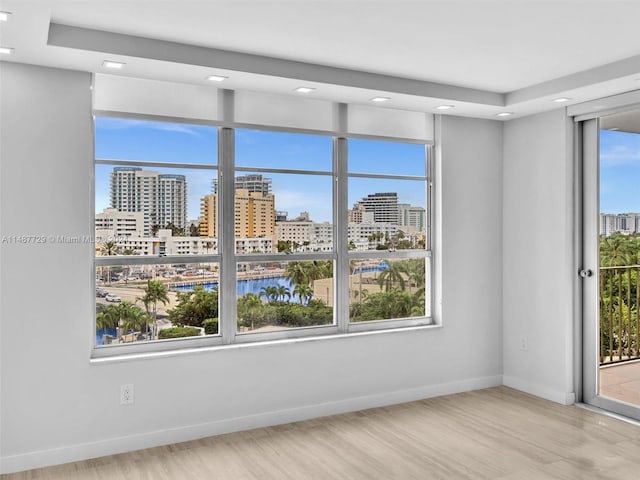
{"x": 178, "y": 332}
{"x": 210, "y": 326}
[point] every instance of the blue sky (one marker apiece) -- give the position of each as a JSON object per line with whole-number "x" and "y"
{"x": 128, "y": 139}
{"x": 619, "y": 172}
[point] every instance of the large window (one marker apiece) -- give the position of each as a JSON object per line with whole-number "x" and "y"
{"x": 388, "y": 235}
{"x": 284, "y": 235}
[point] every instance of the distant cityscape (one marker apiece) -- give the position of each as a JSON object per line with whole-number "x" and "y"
{"x": 625, "y": 223}
{"x": 148, "y": 216}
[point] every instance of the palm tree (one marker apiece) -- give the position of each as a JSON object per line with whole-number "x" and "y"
{"x": 298, "y": 273}
{"x": 249, "y": 306}
{"x": 394, "y": 273}
{"x": 615, "y": 250}
{"x": 155, "y": 292}
{"x": 376, "y": 236}
{"x": 109, "y": 247}
{"x": 132, "y": 317}
{"x": 270, "y": 293}
{"x": 304, "y": 292}
{"x": 109, "y": 317}
{"x": 283, "y": 292}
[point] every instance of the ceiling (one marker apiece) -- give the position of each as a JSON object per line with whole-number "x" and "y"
{"x": 481, "y": 56}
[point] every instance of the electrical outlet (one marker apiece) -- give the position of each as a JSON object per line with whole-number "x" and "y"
{"x": 126, "y": 394}
{"x": 524, "y": 344}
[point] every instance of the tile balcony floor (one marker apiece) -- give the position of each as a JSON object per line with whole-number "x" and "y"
{"x": 621, "y": 381}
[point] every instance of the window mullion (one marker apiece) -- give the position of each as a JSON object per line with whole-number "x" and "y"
{"x": 226, "y": 180}
{"x": 341, "y": 241}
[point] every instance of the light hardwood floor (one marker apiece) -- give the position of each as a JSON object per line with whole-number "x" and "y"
{"x": 497, "y": 433}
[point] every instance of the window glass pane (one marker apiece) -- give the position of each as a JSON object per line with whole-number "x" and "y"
{"x": 387, "y": 214}
{"x": 376, "y": 156}
{"x": 165, "y": 301}
{"x": 289, "y": 151}
{"x": 284, "y": 295}
{"x": 381, "y": 289}
{"x": 156, "y": 211}
{"x": 151, "y": 141}
{"x": 283, "y": 212}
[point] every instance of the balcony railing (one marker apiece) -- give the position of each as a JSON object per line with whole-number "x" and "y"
{"x": 619, "y": 313}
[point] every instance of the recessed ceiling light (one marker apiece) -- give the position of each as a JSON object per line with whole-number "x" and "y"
{"x": 505, "y": 114}
{"x": 304, "y": 89}
{"x": 216, "y": 78}
{"x": 4, "y": 16}
{"x": 112, "y": 64}
{"x": 561, "y": 99}
{"x": 380, "y": 99}
{"x": 444, "y": 107}
{"x": 6, "y": 50}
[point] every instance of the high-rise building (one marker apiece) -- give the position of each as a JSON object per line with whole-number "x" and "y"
{"x": 209, "y": 216}
{"x": 383, "y": 205}
{"x": 162, "y": 198}
{"x": 254, "y": 214}
{"x": 411, "y": 217}
{"x": 252, "y": 183}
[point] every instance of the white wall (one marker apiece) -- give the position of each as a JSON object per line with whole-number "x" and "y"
{"x": 56, "y": 406}
{"x": 538, "y": 256}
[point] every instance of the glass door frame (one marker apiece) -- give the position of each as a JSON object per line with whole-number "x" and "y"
{"x": 589, "y": 213}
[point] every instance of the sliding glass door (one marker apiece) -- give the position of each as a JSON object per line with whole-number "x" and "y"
{"x": 611, "y": 274}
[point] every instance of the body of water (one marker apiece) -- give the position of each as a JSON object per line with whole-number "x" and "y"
{"x": 254, "y": 285}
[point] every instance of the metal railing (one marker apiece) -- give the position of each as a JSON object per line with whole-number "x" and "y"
{"x": 619, "y": 313}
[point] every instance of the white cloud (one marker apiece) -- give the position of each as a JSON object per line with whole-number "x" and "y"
{"x": 126, "y": 123}
{"x": 619, "y": 155}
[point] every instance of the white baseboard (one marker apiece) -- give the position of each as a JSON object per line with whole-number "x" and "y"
{"x": 84, "y": 451}
{"x": 564, "y": 398}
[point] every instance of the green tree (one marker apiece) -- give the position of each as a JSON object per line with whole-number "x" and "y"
{"x": 270, "y": 292}
{"x": 616, "y": 250}
{"x": 108, "y": 317}
{"x": 109, "y": 247}
{"x": 250, "y": 308}
{"x": 283, "y": 292}
{"x": 383, "y": 305}
{"x": 194, "y": 307}
{"x": 395, "y": 273}
{"x": 284, "y": 246}
{"x": 154, "y": 292}
{"x": 175, "y": 230}
{"x": 304, "y": 292}
{"x": 132, "y": 317}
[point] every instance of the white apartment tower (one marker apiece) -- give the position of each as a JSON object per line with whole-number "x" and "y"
{"x": 411, "y": 218}
{"x": 383, "y": 205}
{"x": 162, "y": 198}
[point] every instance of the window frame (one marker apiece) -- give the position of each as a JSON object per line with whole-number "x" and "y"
{"x": 226, "y": 258}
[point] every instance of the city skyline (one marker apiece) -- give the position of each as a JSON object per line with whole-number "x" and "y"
{"x": 146, "y": 141}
